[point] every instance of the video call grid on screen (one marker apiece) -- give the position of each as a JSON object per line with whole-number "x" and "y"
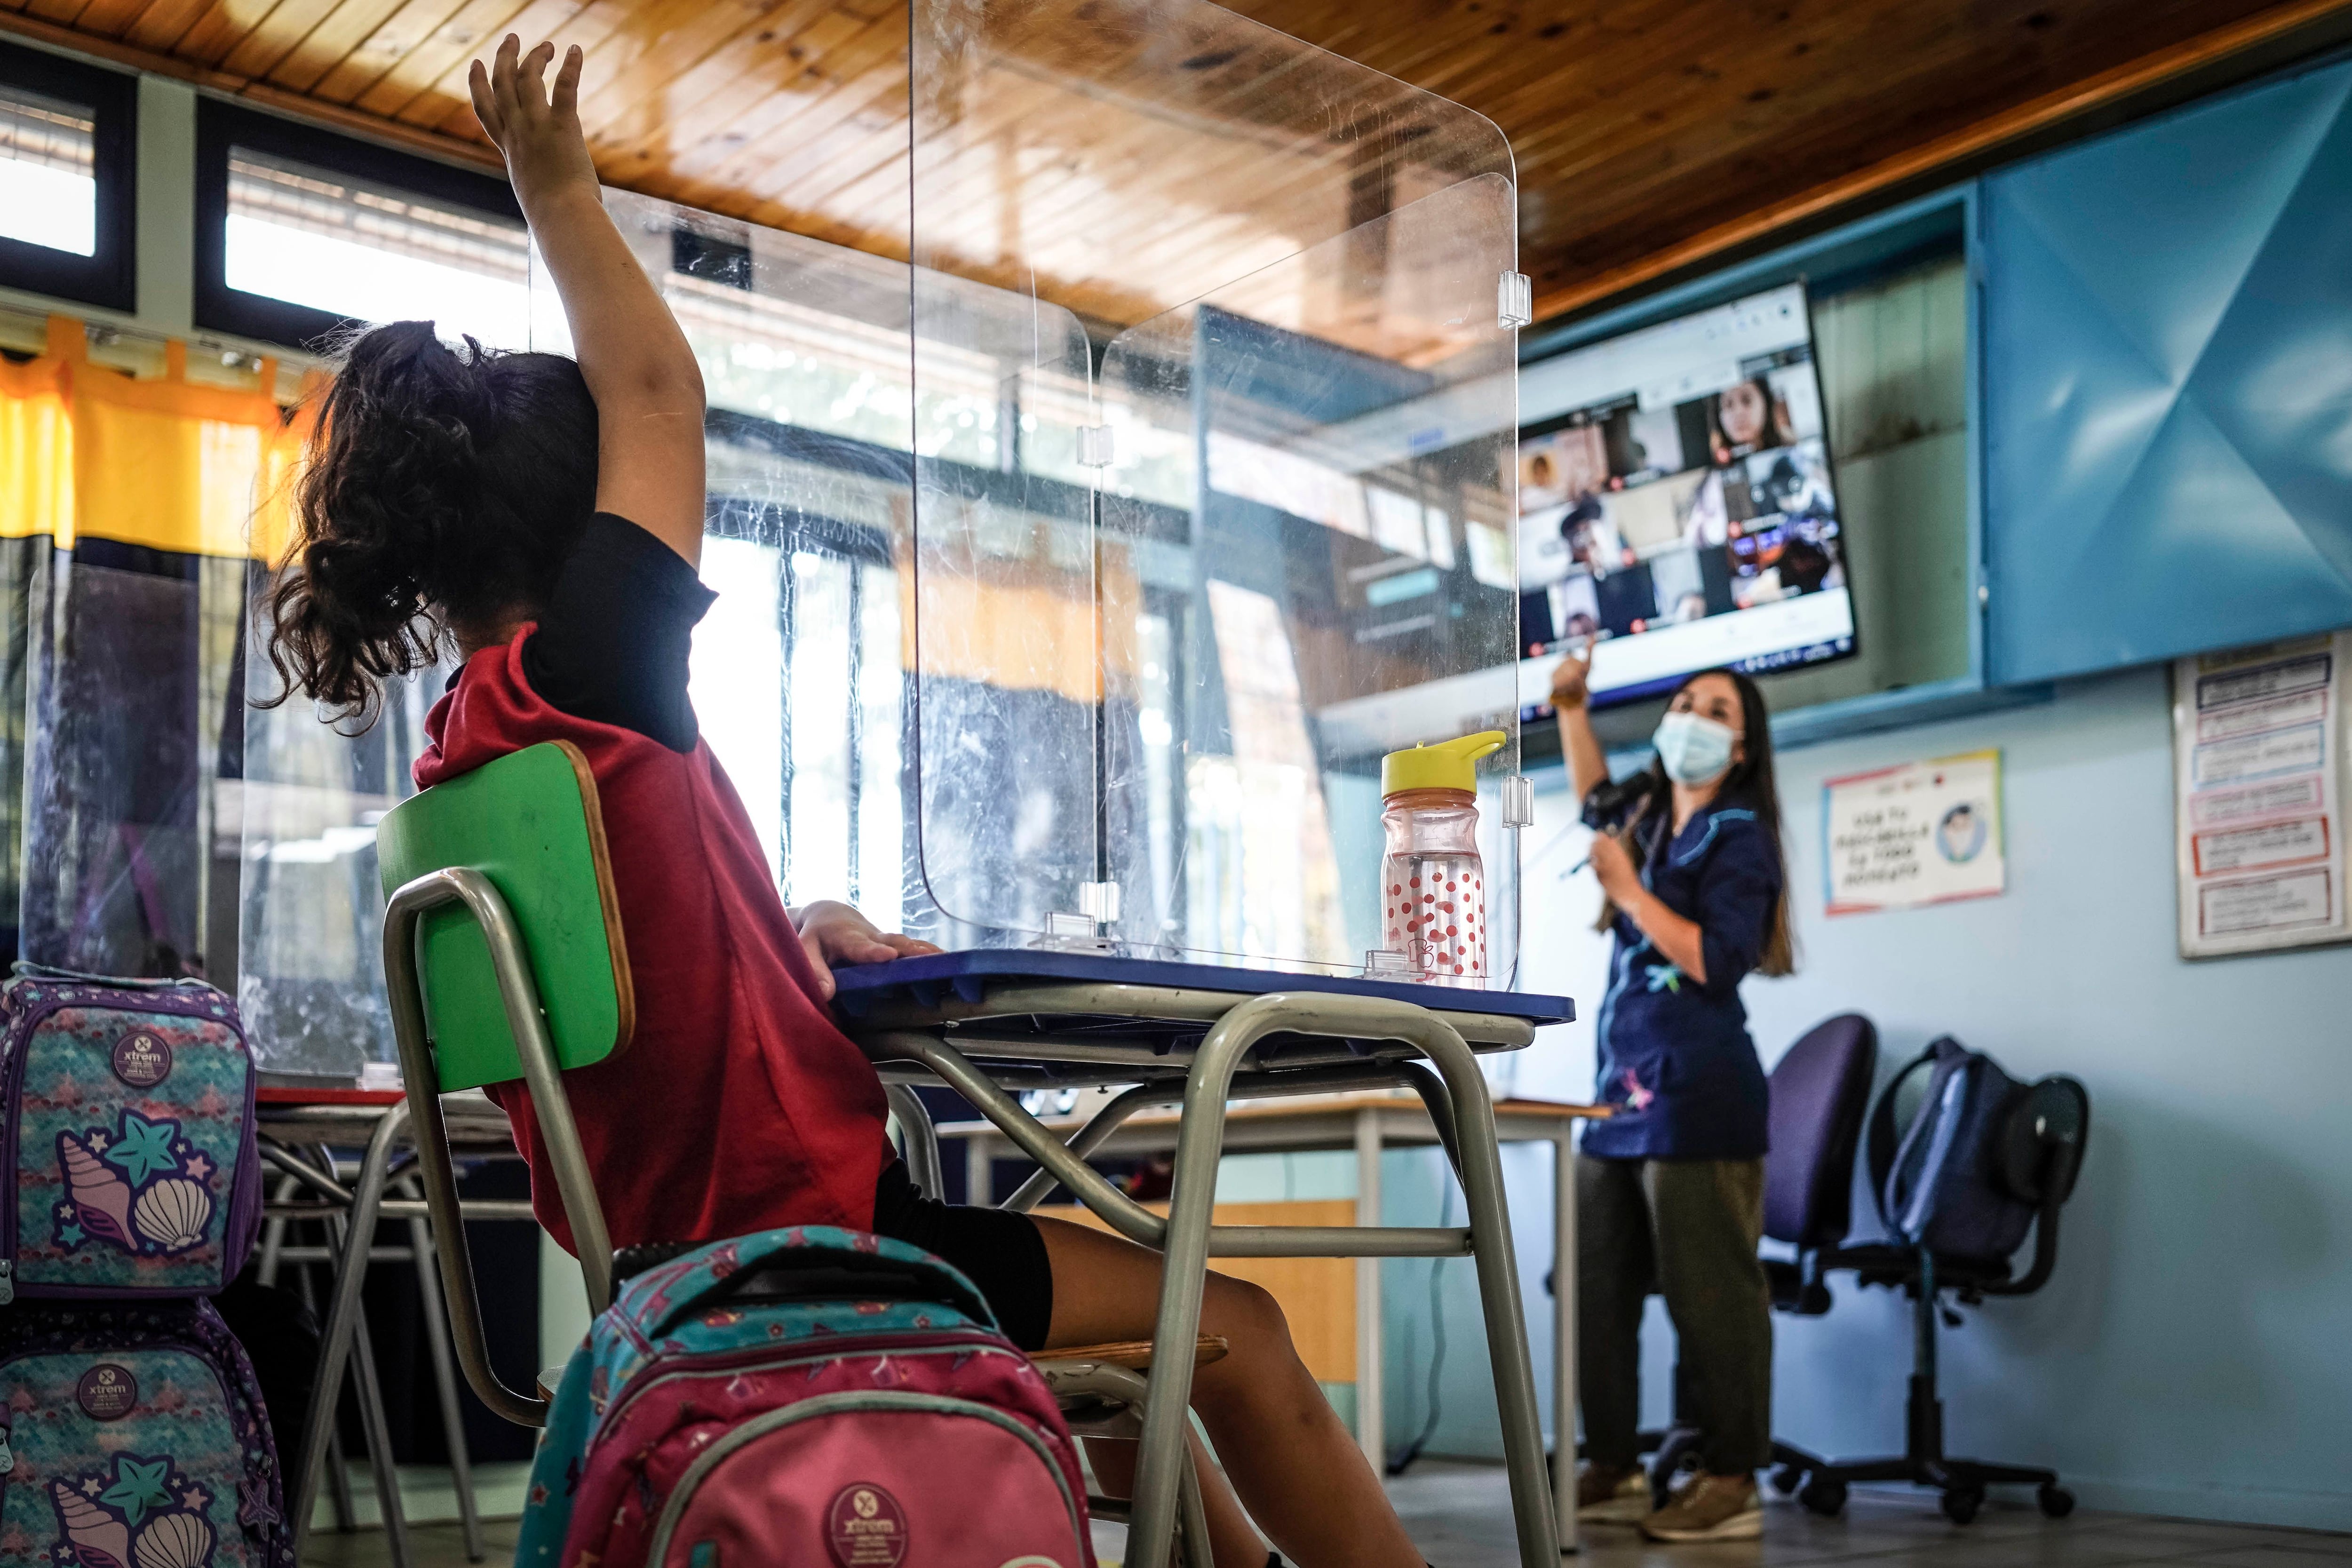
{"x": 1682, "y": 513}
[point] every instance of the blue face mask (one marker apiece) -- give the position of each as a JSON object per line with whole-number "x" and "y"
{"x": 1691, "y": 748}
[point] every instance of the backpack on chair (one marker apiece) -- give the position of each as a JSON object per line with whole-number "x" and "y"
{"x": 803, "y": 1395}
{"x": 1950, "y": 1181}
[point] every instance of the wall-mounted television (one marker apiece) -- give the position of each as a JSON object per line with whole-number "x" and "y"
{"x": 1677, "y": 511}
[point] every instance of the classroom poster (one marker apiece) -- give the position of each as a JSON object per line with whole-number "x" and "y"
{"x": 2258, "y": 737}
{"x": 1924, "y": 833}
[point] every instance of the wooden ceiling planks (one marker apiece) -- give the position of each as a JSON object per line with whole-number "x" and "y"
{"x": 1642, "y": 123}
{"x": 1646, "y": 132}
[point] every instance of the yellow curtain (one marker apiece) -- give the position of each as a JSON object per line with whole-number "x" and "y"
{"x": 37, "y": 451}
{"x": 167, "y": 464}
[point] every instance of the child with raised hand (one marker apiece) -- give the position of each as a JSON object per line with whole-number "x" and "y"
{"x": 543, "y": 517}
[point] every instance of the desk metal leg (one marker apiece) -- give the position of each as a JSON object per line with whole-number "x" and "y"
{"x": 1200, "y": 1141}
{"x": 1498, "y": 1293}
{"x": 1372, "y": 1417}
{"x": 1563, "y": 1336}
{"x": 1184, "y": 1261}
{"x": 342, "y": 1320}
{"x": 1184, "y": 1235}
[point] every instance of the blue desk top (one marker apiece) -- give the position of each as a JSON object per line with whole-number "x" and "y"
{"x": 966, "y": 976}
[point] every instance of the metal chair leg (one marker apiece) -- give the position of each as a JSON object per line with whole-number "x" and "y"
{"x": 445, "y": 1377}
{"x": 379, "y": 1444}
{"x": 338, "y": 1475}
{"x": 336, "y": 1333}
{"x": 273, "y": 1233}
{"x": 922, "y": 1141}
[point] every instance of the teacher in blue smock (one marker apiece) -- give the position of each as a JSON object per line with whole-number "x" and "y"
{"x": 1670, "y": 1189}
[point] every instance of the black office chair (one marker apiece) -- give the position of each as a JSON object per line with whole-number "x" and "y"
{"x": 1820, "y": 1093}
{"x": 2033, "y": 1156}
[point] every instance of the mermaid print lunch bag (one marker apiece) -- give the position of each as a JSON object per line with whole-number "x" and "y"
{"x": 127, "y": 1162}
{"x": 134, "y": 1437}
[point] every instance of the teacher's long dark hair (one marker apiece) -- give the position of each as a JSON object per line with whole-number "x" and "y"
{"x": 1751, "y": 783}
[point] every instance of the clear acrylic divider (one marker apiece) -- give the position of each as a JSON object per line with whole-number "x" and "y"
{"x": 1281, "y": 522}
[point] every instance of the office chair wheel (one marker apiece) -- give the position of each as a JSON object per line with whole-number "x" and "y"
{"x": 1960, "y": 1504}
{"x": 1825, "y": 1498}
{"x": 1786, "y": 1478}
{"x": 2056, "y": 1501}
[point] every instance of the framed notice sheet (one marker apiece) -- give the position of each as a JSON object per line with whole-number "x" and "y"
{"x": 2258, "y": 739}
{"x": 1924, "y": 833}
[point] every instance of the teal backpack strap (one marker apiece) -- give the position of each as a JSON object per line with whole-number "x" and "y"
{"x": 555, "y": 1467}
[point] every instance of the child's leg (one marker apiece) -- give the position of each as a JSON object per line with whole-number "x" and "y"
{"x": 1297, "y": 1468}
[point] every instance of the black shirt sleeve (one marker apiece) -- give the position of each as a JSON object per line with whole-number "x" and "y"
{"x": 612, "y": 645}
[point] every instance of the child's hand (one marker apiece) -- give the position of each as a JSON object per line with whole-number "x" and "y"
{"x": 835, "y": 934}
{"x": 540, "y": 136}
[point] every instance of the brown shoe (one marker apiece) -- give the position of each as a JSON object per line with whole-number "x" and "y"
{"x": 1712, "y": 1508}
{"x": 1607, "y": 1495}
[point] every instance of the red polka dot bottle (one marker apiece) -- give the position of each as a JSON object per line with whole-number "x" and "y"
{"x": 1434, "y": 913}
{"x": 1433, "y": 884}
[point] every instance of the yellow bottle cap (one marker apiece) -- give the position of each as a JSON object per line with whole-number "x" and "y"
{"x": 1449, "y": 764}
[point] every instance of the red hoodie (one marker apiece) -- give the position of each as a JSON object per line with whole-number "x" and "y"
{"x": 737, "y": 1106}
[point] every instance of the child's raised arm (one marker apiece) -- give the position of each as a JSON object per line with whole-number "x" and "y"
{"x": 647, "y": 388}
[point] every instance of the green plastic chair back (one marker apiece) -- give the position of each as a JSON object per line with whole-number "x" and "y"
{"x": 530, "y": 823}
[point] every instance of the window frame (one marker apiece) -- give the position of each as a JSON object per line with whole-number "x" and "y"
{"x": 108, "y": 277}
{"x": 221, "y": 126}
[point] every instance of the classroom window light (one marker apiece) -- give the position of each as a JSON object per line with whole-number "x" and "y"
{"x": 778, "y": 358}
{"x": 48, "y": 172}
{"x": 375, "y": 254}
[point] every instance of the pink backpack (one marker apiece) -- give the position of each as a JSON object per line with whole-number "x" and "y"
{"x": 805, "y": 1395}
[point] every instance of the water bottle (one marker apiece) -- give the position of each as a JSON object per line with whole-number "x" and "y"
{"x": 1433, "y": 883}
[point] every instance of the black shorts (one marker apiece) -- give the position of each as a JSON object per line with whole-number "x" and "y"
{"x": 998, "y": 1250}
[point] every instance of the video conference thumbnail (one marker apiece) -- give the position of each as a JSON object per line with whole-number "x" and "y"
{"x": 1633, "y": 519}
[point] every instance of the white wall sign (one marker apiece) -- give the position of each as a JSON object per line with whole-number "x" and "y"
{"x": 2257, "y": 740}
{"x": 1924, "y": 833}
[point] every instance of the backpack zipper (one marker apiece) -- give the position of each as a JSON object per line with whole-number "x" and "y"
{"x": 837, "y": 1405}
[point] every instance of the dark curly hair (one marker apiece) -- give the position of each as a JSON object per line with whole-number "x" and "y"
{"x": 442, "y": 490}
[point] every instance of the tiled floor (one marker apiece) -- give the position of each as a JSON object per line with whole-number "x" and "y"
{"x": 1460, "y": 1515}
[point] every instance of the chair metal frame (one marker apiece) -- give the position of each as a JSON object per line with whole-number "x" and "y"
{"x": 567, "y": 1160}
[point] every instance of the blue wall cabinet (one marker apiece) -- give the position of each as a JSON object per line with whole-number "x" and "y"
{"x": 2167, "y": 376}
